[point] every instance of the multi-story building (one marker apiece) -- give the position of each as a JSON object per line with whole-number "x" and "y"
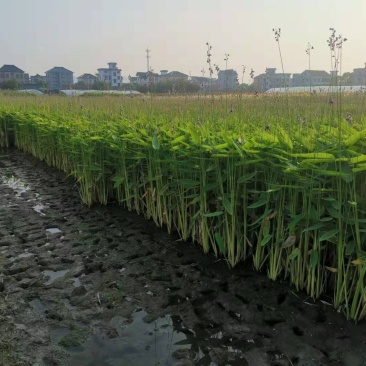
{"x": 38, "y": 79}
{"x": 313, "y": 78}
{"x": 227, "y": 80}
{"x": 172, "y": 76}
{"x": 11, "y": 72}
{"x": 270, "y": 79}
{"x": 204, "y": 83}
{"x": 359, "y": 76}
{"x": 88, "y": 79}
{"x": 59, "y": 78}
{"x": 111, "y": 75}
{"x": 146, "y": 78}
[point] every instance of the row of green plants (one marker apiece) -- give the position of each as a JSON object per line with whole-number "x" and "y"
{"x": 265, "y": 179}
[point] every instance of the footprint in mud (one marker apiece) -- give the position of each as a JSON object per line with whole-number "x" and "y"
{"x": 298, "y": 331}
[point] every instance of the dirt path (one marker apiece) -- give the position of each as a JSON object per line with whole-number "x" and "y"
{"x": 105, "y": 287}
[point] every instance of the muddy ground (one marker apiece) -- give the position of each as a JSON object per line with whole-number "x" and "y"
{"x": 102, "y": 286}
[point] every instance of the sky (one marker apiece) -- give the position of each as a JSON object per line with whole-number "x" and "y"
{"x": 84, "y": 35}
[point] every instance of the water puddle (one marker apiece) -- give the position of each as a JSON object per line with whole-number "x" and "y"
{"x": 54, "y": 275}
{"x": 20, "y": 256}
{"x": 39, "y": 209}
{"x": 141, "y": 344}
{"x": 67, "y": 304}
{"x": 53, "y": 230}
{"x": 58, "y": 334}
{"x": 76, "y": 282}
{"x": 25, "y": 255}
{"x": 38, "y": 307}
{"x": 16, "y": 184}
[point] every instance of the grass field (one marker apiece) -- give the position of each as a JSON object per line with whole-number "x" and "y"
{"x": 278, "y": 180}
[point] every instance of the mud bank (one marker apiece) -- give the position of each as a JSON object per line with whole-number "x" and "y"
{"x": 102, "y": 286}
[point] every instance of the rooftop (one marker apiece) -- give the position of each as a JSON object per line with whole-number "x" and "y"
{"x": 318, "y": 73}
{"x": 58, "y": 69}
{"x": 175, "y": 74}
{"x": 87, "y": 76}
{"x": 10, "y": 68}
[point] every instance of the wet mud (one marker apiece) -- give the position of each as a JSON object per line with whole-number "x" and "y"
{"x": 103, "y": 286}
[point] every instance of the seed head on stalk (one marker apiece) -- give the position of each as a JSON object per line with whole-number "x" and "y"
{"x": 308, "y": 52}
{"x": 242, "y": 75}
{"x": 209, "y": 55}
{"x": 349, "y": 119}
{"x": 277, "y": 34}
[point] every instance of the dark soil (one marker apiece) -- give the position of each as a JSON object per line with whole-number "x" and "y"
{"x": 103, "y": 286}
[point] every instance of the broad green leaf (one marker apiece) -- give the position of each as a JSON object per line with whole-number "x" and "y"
{"x": 246, "y": 177}
{"x": 350, "y": 248}
{"x": 353, "y": 139}
{"x": 314, "y": 156}
{"x": 155, "y": 142}
{"x": 346, "y": 169}
{"x": 294, "y": 254}
{"x": 358, "y": 159}
{"x": 326, "y": 219}
{"x": 294, "y": 220}
{"x": 266, "y": 239}
{"x": 333, "y": 212}
{"x": 117, "y": 182}
{"x": 314, "y": 257}
{"x": 220, "y": 243}
{"x": 188, "y": 183}
{"x": 329, "y": 234}
{"x": 214, "y": 214}
{"x": 238, "y": 149}
{"x": 228, "y": 206}
{"x": 259, "y": 203}
{"x": 317, "y": 226}
{"x": 179, "y": 139}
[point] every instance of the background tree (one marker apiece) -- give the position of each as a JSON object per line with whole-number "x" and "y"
{"x": 101, "y": 85}
{"x": 10, "y": 85}
{"x": 347, "y": 78}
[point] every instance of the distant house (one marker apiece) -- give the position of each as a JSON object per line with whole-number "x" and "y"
{"x": 204, "y": 83}
{"x": 59, "y": 78}
{"x": 38, "y": 79}
{"x": 146, "y": 78}
{"x": 227, "y": 80}
{"x": 11, "y": 72}
{"x": 270, "y": 79}
{"x": 359, "y": 76}
{"x": 312, "y": 78}
{"x": 88, "y": 79}
{"x": 111, "y": 75}
{"x": 172, "y": 76}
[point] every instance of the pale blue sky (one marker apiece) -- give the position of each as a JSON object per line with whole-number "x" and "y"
{"x": 83, "y": 35}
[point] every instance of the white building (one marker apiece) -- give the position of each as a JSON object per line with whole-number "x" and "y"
{"x": 111, "y": 75}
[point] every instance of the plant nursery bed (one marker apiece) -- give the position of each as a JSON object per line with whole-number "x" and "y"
{"x": 104, "y": 286}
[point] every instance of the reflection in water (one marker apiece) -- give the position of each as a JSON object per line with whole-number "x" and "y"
{"x": 144, "y": 344}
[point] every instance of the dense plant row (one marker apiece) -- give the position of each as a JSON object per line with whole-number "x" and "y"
{"x": 263, "y": 180}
